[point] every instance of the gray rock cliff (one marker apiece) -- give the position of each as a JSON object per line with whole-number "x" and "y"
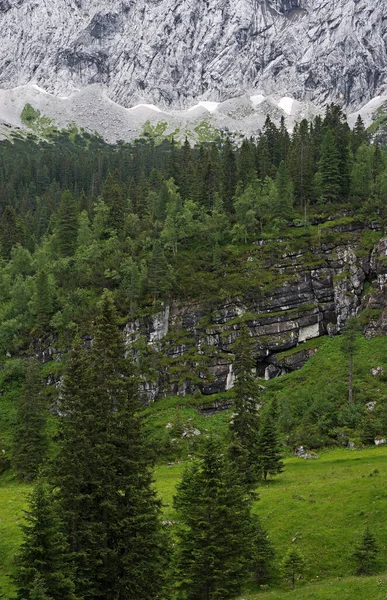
{"x": 176, "y": 52}
{"x": 315, "y": 290}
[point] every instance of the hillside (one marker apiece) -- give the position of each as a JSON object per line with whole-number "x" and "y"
{"x": 187, "y": 249}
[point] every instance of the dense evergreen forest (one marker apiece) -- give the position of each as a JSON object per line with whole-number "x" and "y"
{"x": 94, "y": 235}
{"x": 152, "y": 221}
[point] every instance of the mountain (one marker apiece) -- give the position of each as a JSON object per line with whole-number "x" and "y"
{"x": 174, "y": 53}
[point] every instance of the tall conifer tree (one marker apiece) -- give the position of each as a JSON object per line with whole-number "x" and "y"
{"x": 67, "y": 225}
{"x": 245, "y": 425}
{"x": 43, "y": 564}
{"x": 30, "y": 442}
{"x": 103, "y": 473}
{"x": 216, "y": 547}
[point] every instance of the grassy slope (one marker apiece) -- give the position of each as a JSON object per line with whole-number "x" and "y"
{"x": 315, "y": 394}
{"x": 13, "y": 500}
{"x": 324, "y": 504}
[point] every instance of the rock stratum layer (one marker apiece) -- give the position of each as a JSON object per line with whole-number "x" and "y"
{"x": 315, "y": 288}
{"x": 176, "y": 52}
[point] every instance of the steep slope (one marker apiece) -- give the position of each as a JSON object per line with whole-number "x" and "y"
{"x": 172, "y": 52}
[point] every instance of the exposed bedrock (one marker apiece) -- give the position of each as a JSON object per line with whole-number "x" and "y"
{"x": 316, "y": 293}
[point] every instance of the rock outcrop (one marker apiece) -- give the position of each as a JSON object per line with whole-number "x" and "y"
{"x": 175, "y": 53}
{"x": 315, "y": 291}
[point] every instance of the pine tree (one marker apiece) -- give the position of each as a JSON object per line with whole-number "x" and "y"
{"x": 228, "y": 175}
{"x": 329, "y": 176}
{"x": 301, "y": 163}
{"x": 366, "y": 554}
{"x": 42, "y": 302}
{"x": 292, "y": 566}
{"x": 359, "y": 135}
{"x": 246, "y": 164}
{"x": 30, "y": 441}
{"x": 12, "y": 231}
{"x": 245, "y": 425}
{"x": 44, "y": 559}
{"x": 269, "y": 455}
{"x": 114, "y": 197}
{"x": 157, "y": 271}
{"x": 216, "y": 537}
{"x": 283, "y": 202}
{"x": 103, "y": 474}
{"x": 67, "y": 224}
{"x": 39, "y": 590}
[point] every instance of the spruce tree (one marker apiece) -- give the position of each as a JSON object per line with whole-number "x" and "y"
{"x": 12, "y": 231}
{"x": 292, "y": 566}
{"x": 228, "y": 175}
{"x": 103, "y": 473}
{"x": 39, "y": 590}
{"x": 366, "y": 554}
{"x": 43, "y": 564}
{"x": 114, "y": 197}
{"x": 283, "y": 201}
{"x": 67, "y": 224}
{"x": 245, "y": 425}
{"x": 328, "y": 178}
{"x": 30, "y": 442}
{"x": 269, "y": 454}
{"x": 42, "y": 302}
{"x": 215, "y": 540}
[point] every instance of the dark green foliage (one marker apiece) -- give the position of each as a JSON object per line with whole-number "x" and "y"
{"x": 114, "y": 197}
{"x": 43, "y": 300}
{"x": 282, "y": 208}
{"x": 245, "y": 425}
{"x": 103, "y": 475}
{"x": 366, "y": 554}
{"x": 43, "y": 565}
{"x": 217, "y": 534}
{"x": 67, "y": 225}
{"x": 268, "y": 449}
{"x": 12, "y": 231}
{"x": 292, "y": 566}
{"x": 368, "y": 430}
{"x": 30, "y": 443}
{"x": 328, "y": 178}
{"x": 38, "y": 591}
{"x": 262, "y": 556}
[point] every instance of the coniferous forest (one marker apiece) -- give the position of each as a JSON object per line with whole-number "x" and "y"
{"x": 94, "y": 236}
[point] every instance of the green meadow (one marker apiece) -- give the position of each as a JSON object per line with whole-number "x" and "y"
{"x": 320, "y": 505}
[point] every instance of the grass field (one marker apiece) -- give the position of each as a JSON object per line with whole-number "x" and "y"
{"x": 13, "y": 500}
{"x": 321, "y": 505}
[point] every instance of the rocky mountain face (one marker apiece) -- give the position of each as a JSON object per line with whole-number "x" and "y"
{"x": 175, "y": 52}
{"x": 314, "y": 291}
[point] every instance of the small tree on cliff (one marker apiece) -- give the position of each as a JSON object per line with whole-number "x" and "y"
{"x": 245, "y": 425}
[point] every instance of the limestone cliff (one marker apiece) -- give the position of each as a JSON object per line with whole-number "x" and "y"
{"x": 315, "y": 289}
{"x": 176, "y": 52}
